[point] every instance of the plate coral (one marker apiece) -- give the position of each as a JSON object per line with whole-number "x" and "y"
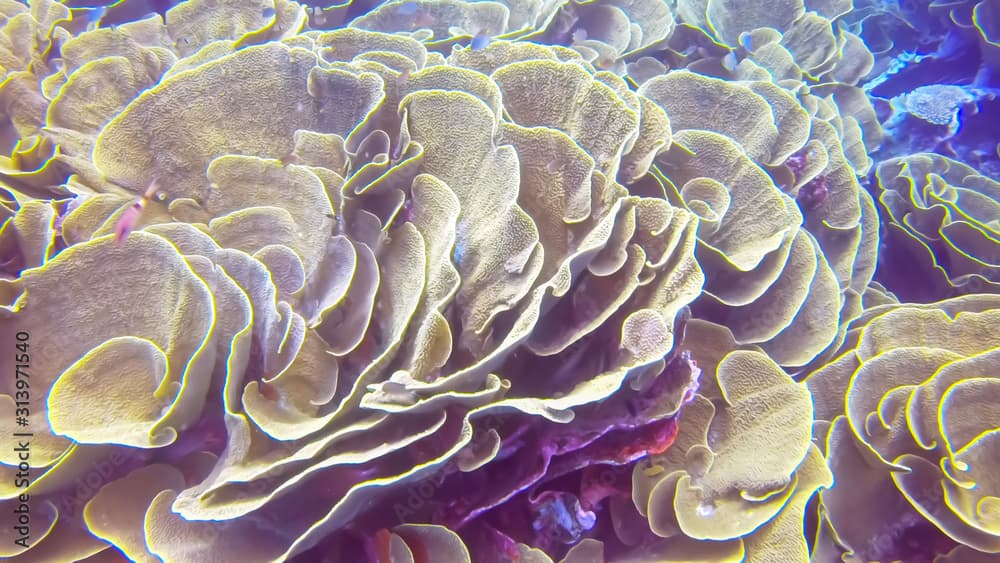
{"x": 496, "y": 281}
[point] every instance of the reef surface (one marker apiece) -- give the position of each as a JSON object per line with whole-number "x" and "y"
{"x": 498, "y": 281}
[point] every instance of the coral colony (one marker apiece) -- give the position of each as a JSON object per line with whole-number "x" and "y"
{"x": 445, "y": 281}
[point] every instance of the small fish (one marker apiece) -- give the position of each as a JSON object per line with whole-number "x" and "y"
{"x": 604, "y": 62}
{"x": 458, "y": 253}
{"x": 128, "y": 220}
{"x": 480, "y": 41}
{"x": 688, "y": 51}
{"x": 730, "y": 61}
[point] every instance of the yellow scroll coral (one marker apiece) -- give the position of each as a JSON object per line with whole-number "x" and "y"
{"x": 911, "y": 447}
{"x": 395, "y": 254}
{"x": 370, "y": 249}
{"x": 943, "y": 222}
{"x": 775, "y": 266}
{"x": 735, "y": 484}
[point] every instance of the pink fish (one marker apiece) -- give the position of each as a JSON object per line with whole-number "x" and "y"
{"x": 383, "y": 543}
{"x": 604, "y": 62}
{"x": 129, "y": 219}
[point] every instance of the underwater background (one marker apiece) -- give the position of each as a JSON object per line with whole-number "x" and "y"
{"x": 531, "y": 281}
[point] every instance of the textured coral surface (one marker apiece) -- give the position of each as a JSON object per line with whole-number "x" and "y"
{"x": 427, "y": 281}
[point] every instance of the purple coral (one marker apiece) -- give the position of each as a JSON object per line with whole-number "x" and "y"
{"x": 813, "y": 194}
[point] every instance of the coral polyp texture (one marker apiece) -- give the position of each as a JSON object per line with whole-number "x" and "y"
{"x": 917, "y": 433}
{"x": 460, "y": 281}
{"x": 947, "y": 213}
